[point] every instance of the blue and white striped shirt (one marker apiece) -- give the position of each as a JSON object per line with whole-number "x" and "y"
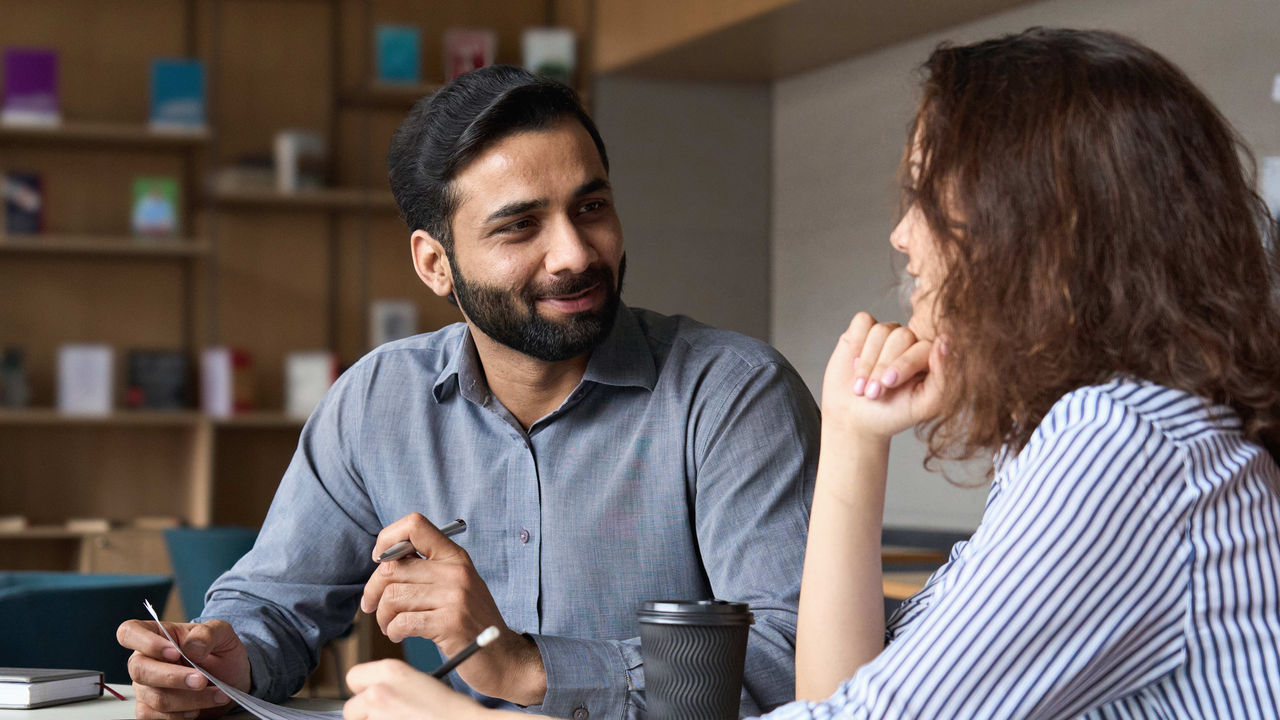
{"x": 1127, "y": 566}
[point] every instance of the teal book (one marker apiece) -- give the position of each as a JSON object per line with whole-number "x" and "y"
{"x": 177, "y": 94}
{"x": 399, "y": 59}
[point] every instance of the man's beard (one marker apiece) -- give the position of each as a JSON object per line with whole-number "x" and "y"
{"x": 511, "y": 316}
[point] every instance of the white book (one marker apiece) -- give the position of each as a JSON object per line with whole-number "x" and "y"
{"x": 37, "y": 687}
{"x": 85, "y": 379}
{"x": 215, "y": 382}
{"x": 307, "y": 377}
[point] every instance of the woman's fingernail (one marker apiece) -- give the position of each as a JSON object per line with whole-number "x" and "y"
{"x": 942, "y": 346}
{"x": 890, "y": 377}
{"x": 171, "y": 654}
{"x": 873, "y": 390}
{"x": 859, "y": 385}
{"x": 194, "y": 680}
{"x": 221, "y": 698}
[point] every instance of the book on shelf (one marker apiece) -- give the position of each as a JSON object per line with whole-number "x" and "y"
{"x": 300, "y": 157}
{"x": 30, "y": 87}
{"x": 391, "y": 320}
{"x": 157, "y": 380}
{"x": 156, "y": 522}
{"x": 13, "y": 523}
{"x": 88, "y": 525}
{"x": 226, "y": 381}
{"x": 399, "y": 54}
{"x": 466, "y": 49}
{"x": 247, "y": 173}
{"x": 155, "y": 214}
{"x": 177, "y": 94}
{"x": 40, "y": 687}
{"x": 550, "y": 52}
{"x": 307, "y": 377}
{"x": 85, "y": 373}
{"x": 15, "y": 391}
{"x": 23, "y": 203}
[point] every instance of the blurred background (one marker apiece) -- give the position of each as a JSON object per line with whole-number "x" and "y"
{"x": 198, "y": 233}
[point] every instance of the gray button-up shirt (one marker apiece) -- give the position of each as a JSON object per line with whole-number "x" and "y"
{"x": 681, "y": 467}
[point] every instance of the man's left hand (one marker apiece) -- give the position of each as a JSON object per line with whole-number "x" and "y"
{"x": 441, "y": 597}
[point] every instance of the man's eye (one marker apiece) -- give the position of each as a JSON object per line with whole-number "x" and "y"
{"x": 591, "y": 205}
{"x": 517, "y": 226}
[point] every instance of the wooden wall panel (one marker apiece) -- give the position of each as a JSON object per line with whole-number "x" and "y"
{"x": 272, "y": 294}
{"x": 46, "y": 301}
{"x": 273, "y": 72}
{"x": 90, "y": 470}
{"x": 250, "y": 464}
{"x": 104, "y": 48}
{"x": 91, "y": 191}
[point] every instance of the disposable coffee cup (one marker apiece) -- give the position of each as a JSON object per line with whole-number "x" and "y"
{"x": 693, "y": 653}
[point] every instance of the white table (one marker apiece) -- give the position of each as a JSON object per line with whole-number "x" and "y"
{"x": 108, "y": 707}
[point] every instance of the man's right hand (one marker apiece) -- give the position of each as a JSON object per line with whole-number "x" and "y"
{"x": 164, "y": 686}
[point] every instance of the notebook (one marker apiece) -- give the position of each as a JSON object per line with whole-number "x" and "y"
{"x": 38, "y": 687}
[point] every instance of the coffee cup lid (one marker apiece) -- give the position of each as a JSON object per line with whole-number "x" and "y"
{"x": 695, "y": 612}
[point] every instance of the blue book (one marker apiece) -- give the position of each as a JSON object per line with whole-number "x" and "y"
{"x": 177, "y": 94}
{"x": 399, "y": 49}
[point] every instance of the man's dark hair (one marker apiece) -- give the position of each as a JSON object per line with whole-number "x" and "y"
{"x": 449, "y": 128}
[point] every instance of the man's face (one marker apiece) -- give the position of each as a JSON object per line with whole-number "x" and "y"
{"x": 537, "y": 258}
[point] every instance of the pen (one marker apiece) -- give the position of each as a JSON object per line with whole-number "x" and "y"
{"x": 489, "y": 635}
{"x": 404, "y": 547}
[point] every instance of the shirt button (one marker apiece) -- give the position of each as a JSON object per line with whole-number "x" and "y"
{"x": 580, "y": 713}
{"x": 524, "y": 538}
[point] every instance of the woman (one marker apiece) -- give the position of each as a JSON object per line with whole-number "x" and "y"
{"x": 1096, "y": 304}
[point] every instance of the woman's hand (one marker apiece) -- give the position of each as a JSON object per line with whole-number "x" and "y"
{"x": 881, "y": 379}
{"x": 392, "y": 690}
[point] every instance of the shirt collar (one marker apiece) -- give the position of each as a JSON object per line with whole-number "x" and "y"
{"x": 463, "y": 368}
{"x": 624, "y": 359}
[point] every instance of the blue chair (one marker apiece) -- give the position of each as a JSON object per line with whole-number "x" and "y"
{"x": 200, "y": 555}
{"x": 421, "y": 653}
{"x": 69, "y": 620}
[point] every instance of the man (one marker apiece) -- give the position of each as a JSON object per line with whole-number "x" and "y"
{"x": 601, "y": 455}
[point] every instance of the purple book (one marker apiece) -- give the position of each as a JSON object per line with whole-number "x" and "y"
{"x": 30, "y": 86}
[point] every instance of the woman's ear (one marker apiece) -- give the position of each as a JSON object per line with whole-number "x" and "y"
{"x": 431, "y": 263}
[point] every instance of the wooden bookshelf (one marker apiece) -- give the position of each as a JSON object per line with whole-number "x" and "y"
{"x": 104, "y": 134}
{"x": 390, "y": 97}
{"x": 259, "y": 419}
{"x": 259, "y": 270}
{"x": 120, "y": 418}
{"x": 93, "y": 245}
{"x": 348, "y": 198}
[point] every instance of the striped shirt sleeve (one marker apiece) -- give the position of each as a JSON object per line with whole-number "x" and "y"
{"x": 1067, "y": 597}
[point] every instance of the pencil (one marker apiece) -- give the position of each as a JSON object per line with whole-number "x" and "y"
{"x": 489, "y": 635}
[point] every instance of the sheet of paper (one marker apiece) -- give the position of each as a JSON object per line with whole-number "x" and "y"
{"x": 1269, "y": 186}
{"x": 260, "y": 708}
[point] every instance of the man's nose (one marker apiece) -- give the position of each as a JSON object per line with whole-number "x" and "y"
{"x": 569, "y": 250}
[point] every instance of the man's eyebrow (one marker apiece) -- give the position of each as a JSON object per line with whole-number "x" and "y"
{"x": 516, "y": 208}
{"x": 591, "y": 186}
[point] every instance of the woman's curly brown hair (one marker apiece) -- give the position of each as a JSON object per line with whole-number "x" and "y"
{"x": 1098, "y": 218}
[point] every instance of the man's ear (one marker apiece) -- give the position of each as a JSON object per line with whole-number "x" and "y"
{"x": 432, "y": 263}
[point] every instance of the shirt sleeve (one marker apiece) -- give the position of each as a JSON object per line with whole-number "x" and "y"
{"x": 290, "y": 594}
{"x": 754, "y": 457}
{"x": 1069, "y": 595}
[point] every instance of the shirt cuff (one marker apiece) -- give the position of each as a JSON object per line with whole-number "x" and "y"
{"x": 587, "y": 679}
